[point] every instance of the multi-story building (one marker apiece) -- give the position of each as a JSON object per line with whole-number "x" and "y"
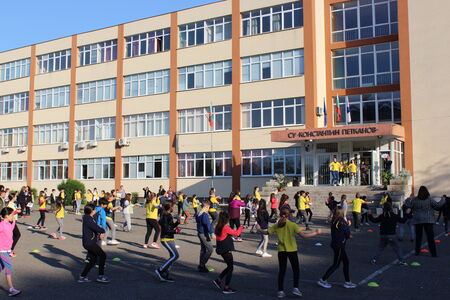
{"x": 231, "y": 93}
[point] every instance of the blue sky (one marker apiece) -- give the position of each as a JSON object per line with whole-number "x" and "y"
{"x": 26, "y": 22}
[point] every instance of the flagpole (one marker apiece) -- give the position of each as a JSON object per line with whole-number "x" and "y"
{"x": 211, "y": 142}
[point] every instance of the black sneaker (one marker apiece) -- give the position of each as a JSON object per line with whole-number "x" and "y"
{"x": 160, "y": 275}
{"x": 203, "y": 269}
{"x": 227, "y": 290}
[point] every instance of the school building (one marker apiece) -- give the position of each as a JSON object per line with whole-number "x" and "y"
{"x": 231, "y": 93}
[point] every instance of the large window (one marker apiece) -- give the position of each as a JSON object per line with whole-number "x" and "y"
{"x": 204, "y": 76}
{"x": 151, "y": 83}
{"x": 274, "y": 18}
{"x": 97, "y": 53}
{"x": 13, "y": 103}
{"x": 13, "y": 171}
{"x": 363, "y": 19}
{"x": 366, "y": 66}
{"x": 51, "y": 133}
{"x": 151, "y": 124}
{"x": 205, "y": 32}
{"x": 15, "y": 69}
{"x": 94, "y": 168}
{"x": 96, "y": 129}
{"x": 13, "y": 137}
{"x": 204, "y": 164}
{"x": 267, "y": 162}
{"x": 369, "y": 108}
{"x": 272, "y": 65}
{"x": 53, "y": 97}
{"x": 150, "y": 166}
{"x": 147, "y": 43}
{"x": 96, "y": 91}
{"x": 55, "y": 61}
{"x": 50, "y": 169}
{"x": 271, "y": 113}
{"x": 196, "y": 119}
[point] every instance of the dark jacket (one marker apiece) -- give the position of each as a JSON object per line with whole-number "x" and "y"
{"x": 340, "y": 233}
{"x": 446, "y": 208}
{"x": 167, "y": 226}
{"x": 91, "y": 231}
{"x": 263, "y": 219}
{"x": 423, "y": 210}
{"x": 388, "y": 222}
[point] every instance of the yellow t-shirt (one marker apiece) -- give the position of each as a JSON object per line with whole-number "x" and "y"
{"x": 341, "y": 168}
{"x": 60, "y": 213}
{"x": 307, "y": 203}
{"x": 383, "y": 200}
{"x": 357, "y": 203}
{"x": 257, "y": 196}
{"x": 213, "y": 201}
{"x": 77, "y": 195}
{"x": 286, "y": 236}
{"x": 352, "y": 168}
{"x": 194, "y": 203}
{"x": 63, "y": 196}
{"x": 42, "y": 203}
{"x": 180, "y": 198}
{"x": 335, "y": 166}
{"x": 109, "y": 206}
{"x": 302, "y": 202}
{"x": 151, "y": 210}
{"x": 89, "y": 197}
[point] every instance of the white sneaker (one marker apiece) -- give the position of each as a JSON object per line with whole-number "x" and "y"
{"x": 113, "y": 242}
{"x": 13, "y": 292}
{"x": 281, "y": 294}
{"x": 103, "y": 243}
{"x": 324, "y": 283}
{"x": 296, "y": 292}
{"x": 176, "y": 246}
{"x": 265, "y": 254}
{"x": 349, "y": 285}
{"x": 259, "y": 252}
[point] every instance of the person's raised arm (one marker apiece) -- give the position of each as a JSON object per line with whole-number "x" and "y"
{"x": 309, "y": 235}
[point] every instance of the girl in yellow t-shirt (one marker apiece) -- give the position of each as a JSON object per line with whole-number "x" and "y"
{"x": 59, "y": 214}
{"x": 42, "y": 210}
{"x": 195, "y": 204}
{"x": 89, "y": 196}
{"x": 256, "y": 193}
{"x": 152, "y": 205}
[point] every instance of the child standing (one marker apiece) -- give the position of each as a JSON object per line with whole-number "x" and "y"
{"x": 16, "y": 232}
{"x": 273, "y": 205}
{"x": 262, "y": 218}
{"x": 185, "y": 208}
{"x": 78, "y": 199}
{"x": 356, "y": 210}
{"x": 195, "y": 204}
{"x": 152, "y": 205}
{"x": 235, "y": 213}
{"x": 110, "y": 225}
{"x": 42, "y": 203}
{"x": 340, "y": 233}
{"x": 127, "y": 211}
{"x": 7, "y": 225}
{"x": 59, "y": 214}
{"x": 247, "y": 209}
{"x": 204, "y": 232}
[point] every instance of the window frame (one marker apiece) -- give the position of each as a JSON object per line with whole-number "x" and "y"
{"x": 102, "y": 50}
{"x": 149, "y": 166}
{"x": 188, "y": 161}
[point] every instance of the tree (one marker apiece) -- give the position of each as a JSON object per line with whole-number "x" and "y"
{"x": 69, "y": 187}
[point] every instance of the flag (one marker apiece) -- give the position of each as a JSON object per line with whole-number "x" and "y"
{"x": 338, "y": 109}
{"x": 211, "y": 117}
{"x": 348, "y": 114}
{"x": 324, "y": 113}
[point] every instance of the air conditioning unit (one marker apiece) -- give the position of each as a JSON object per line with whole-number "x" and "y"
{"x": 23, "y": 149}
{"x": 5, "y": 150}
{"x": 319, "y": 111}
{"x": 93, "y": 144}
{"x": 64, "y": 146}
{"x": 81, "y": 145}
{"x": 123, "y": 142}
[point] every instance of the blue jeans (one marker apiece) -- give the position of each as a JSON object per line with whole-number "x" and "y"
{"x": 334, "y": 177}
{"x": 402, "y": 230}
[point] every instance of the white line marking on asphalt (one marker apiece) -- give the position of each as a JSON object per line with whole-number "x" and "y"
{"x": 388, "y": 266}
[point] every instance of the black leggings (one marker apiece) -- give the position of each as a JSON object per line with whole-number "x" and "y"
{"x": 228, "y": 272}
{"x": 152, "y": 224}
{"x": 339, "y": 255}
{"x": 42, "y": 218}
{"x": 273, "y": 212}
{"x": 428, "y": 228}
{"x": 16, "y": 236}
{"x": 365, "y": 218}
{"x": 247, "y": 217}
{"x": 309, "y": 213}
{"x": 283, "y": 256}
{"x": 94, "y": 253}
{"x": 235, "y": 223}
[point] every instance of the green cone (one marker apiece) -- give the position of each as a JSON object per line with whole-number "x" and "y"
{"x": 373, "y": 284}
{"x": 35, "y": 251}
{"x": 415, "y": 264}
{"x": 116, "y": 259}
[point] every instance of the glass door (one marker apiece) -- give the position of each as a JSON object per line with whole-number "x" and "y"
{"x": 323, "y": 163}
{"x": 309, "y": 169}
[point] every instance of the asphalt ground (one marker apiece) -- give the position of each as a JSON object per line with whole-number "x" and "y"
{"x": 52, "y": 273}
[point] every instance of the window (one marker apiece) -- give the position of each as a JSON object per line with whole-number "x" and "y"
{"x": 55, "y": 61}
{"x": 204, "y": 164}
{"x": 13, "y": 171}
{"x": 51, "y": 133}
{"x": 13, "y": 137}
{"x": 151, "y": 83}
{"x": 267, "y": 162}
{"x": 96, "y": 91}
{"x": 363, "y": 19}
{"x": 13, "y": 103}
{"x": 271, "y": 113}
{"x": 95, "y": 168}
{"x": 205, "y": 32}
{"x": 151, "y": 124}
{"x": 196, "y": 120}
{"x": 369, "y": 108}
{"x": 15, "y": 69}
{"x": 366, "y": 66}
{"x": 54, "y": 97}
{"x": 204, "y": 76}
{"x": 148, "y": 43}
{"x": 272, "y": 65}
{"x": 97, "y": 53}
{"x": 50, "y": 169}
{"x": 150, "y": 166}
{"x": 96, "y": 129}
{"x": 272, "y": 19}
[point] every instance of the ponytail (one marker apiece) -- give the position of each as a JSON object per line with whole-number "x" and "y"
{"x": 284, "y": 214}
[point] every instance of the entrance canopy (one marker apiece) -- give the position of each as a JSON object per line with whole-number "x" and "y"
{"x": 385, "y": 130}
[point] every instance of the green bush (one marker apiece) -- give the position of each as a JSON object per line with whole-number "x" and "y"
{"x": 69, "y": 187}
{"x": 134, "y": 197}
{"x": 34, "y": 192}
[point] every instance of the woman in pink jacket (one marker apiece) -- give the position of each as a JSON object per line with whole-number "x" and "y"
{"x": 234, "y": 208}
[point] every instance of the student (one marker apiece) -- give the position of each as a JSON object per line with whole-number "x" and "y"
{"x": 91, "y": 234}
{"x": 111, "y": 227}
{"x": 273, "y": 205}
{"x": 100, "y": 213}
{"x": 152, "y": 204}
{"x": 7, "y": 225}
{"x": 302, "y": 209}
{"x": 225, "y": 248}
{"x": 256, "y": 193}
{"x": 247, "y": 209}
{"x": 205, "y": 233}
{"x": 308, "y": 210}
{"x": 195, "y": 204}
{"x": 364, "y": 214}
{"x": 78, "y": 199}
{"x": 62, "y": 196}
{"x": 334, "y": 170}
{"x": 331, "y": 204}
{"x": 53, "y": 200}
{"x": 42, "y": 210}
{"x": 89, "y": 196}
{"x": 180, "y": 203}
{"x": 59, "y": 214}
{"x": 95, "y": 196}
{"x": 262, "y": 217}
{"x": 344, "y": 205}
{"x": 407, "y": 214}
{"x": 214, "y": 205}
{"x": 16, "y": 232}
{"x": 287, "y": 249}
{"x": 340, "y": 233}
{"x": 352, "y": 172}
{"x": 284, "y": 202}
{"x": 234, "y": 208}
{"x": 127, "y": 212}
{"x": 168, "y": 230}
{"x": 388, "y": 228}
{"x": 185, "y": 208}
{"x": 356, "y": 210}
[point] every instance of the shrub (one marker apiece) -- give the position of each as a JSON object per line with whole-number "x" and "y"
{"x": 69, "y": 187}
{"x": 34, "y": 192}
{"x": 134, "y": 197}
